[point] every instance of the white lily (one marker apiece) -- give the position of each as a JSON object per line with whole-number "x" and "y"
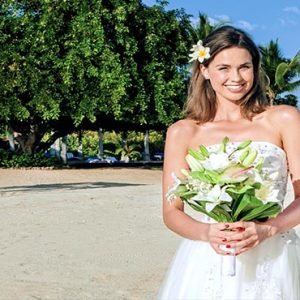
{"x": 214, "y": 197}
{"x": 267, "y": 193}
{"x": 254, "y": 176}
{"x": 170, "y": 194}
{"x": 216, "y": 161}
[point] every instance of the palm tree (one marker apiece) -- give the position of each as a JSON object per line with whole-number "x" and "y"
{"x": 280, "y": 71}
{"x": 203, "y": 28}
{"x": 286, "y": 72}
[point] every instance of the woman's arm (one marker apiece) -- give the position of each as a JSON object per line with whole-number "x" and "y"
{"x": 289, "y": 124}
{"x": 177, "y": 144}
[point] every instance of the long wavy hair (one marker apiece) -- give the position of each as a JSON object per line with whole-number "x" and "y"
{"x": 201, "y": 104}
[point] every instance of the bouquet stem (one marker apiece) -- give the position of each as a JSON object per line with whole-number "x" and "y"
{"x": 228, "y": 262}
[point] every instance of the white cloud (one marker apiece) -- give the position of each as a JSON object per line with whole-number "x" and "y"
{"x": 287, "y": 22}
{"x": 223, "y": 18}
{"x": 292, "y": 9}
{"x": 213, "y": 21}
{"x": 217, "y": 19}
{"x": 246, "y": 25}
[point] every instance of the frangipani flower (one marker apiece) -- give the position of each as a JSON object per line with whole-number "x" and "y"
{"x": 216, "y": 161}
{"x": 200, "y": 52}
{"x": 214, "y": 197}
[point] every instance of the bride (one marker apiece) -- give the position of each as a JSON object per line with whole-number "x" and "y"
{"x": 227, "y": 98}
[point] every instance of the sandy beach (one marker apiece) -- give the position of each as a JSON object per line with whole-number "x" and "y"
{"x": 82, "y": 234}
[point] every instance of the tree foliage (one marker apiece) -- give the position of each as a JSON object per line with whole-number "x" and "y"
{"x": 86, "y": 64}
{"x": 281, "y": 73}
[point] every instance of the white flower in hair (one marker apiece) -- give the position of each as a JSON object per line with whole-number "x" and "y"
{"x": 200, "y": 52}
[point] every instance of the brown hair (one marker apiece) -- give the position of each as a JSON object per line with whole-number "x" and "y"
{"x": 201, "y": 104}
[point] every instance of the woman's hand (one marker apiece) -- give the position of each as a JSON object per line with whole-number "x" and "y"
{"x": 217, "y": 235}
{"x": 246, "y": 235}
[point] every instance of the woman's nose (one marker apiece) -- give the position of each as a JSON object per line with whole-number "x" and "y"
{"x": 235, "y": 75}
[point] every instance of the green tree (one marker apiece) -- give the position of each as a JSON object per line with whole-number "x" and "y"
{"x": 70, "y": 65}
{"x": 286, "y": 72}
{"x": 281, "y": 72}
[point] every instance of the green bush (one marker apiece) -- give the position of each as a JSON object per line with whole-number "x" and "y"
{"x": 8, "y": 160}
{"x": 90, "y": 143}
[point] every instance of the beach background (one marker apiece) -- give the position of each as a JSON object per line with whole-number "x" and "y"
{"x": 83, "y": 234}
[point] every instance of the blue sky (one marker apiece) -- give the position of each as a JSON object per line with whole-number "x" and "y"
{"x": 264, "y": 20}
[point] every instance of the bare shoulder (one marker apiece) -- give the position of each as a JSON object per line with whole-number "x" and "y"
{"x": 182, "y": 128}
{"x": 283, "y": 114}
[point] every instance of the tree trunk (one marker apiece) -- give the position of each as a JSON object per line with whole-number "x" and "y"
{"x": 64, "y": 148}
{"x": 55, "y": 149}
{"x": 146, "y": 146}
{"x": 11, "y": 140}
{"x": 101, "y": 147}
{"x": 80, "y": 152}
{"x": 27, "y": 141}
{"x": 124, "y": 156}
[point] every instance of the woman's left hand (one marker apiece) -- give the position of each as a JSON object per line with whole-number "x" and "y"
{"x": 246, "y": 235}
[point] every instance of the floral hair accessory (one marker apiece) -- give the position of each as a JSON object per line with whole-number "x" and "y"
{"x": 200, "y": 52}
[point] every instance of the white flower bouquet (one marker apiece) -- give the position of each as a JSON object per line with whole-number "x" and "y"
{"x": 227, "y": 186}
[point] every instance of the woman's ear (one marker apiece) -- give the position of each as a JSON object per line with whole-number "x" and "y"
{"x": 204, "y": 72}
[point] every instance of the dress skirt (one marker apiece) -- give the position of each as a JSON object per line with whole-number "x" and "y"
{"x": 270, "y": 271}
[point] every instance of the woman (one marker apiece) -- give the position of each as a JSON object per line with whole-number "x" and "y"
{"x": 227, "y": 98}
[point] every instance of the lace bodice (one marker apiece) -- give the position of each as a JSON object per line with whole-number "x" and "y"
{"x": 275, "y": 165}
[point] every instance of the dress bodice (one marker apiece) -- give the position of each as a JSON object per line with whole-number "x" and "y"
{"x": 275, "y": 167}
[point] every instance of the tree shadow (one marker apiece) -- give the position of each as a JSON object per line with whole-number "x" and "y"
{"x": 65, "y": 186}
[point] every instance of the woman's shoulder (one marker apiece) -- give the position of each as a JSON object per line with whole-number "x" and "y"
{"x": 282, "y": 114}
{"x": 184, "y": 127}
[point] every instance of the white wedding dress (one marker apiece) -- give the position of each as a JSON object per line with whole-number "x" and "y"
{"x": 271, "y": 271}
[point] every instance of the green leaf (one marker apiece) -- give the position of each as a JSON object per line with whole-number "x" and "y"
{"x": 250, "y": 158}
{"x": 204, "y": 151}
{"x": 224, "y": 144}
{"x": 264, "y": 210}
{"x": 244, "y": 144}
{"x": 200, "y": 175}
{"x": 244, "y": 202}
{"x": 244, "y": 154}
{"x": 240, "y": 189}
{"x": 196, "y": 154}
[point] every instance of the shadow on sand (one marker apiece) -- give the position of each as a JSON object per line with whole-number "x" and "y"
{"x": 64, "y": 186}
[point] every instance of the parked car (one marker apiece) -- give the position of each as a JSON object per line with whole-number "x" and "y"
{"x": 111, "y": 159}
{"x": 158, "y": 156}
{"x": 93, "y": 160}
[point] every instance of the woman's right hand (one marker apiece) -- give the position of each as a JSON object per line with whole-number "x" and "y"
{"x": 217, "y": 235}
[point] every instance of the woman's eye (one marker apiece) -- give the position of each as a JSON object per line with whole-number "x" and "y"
{"x": 245, "y": 67}
{"x": 223, "y": 68}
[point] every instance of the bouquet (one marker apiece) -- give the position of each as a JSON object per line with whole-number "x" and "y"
{"x": 228, "y": 186}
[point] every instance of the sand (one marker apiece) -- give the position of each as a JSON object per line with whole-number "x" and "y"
{"x": 82, "y": 234}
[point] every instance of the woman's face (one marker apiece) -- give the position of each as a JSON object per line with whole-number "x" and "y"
{"x": 230, "y": 73}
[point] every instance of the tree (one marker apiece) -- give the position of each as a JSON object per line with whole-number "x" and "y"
{"x": 285, "y": 72}
{"x": 202, "y": 28}
{"x": 71, "y": 65}
{"x": 281, "y": 72}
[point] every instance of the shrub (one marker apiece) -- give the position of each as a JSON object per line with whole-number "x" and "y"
{"x": 26, "y": 161}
